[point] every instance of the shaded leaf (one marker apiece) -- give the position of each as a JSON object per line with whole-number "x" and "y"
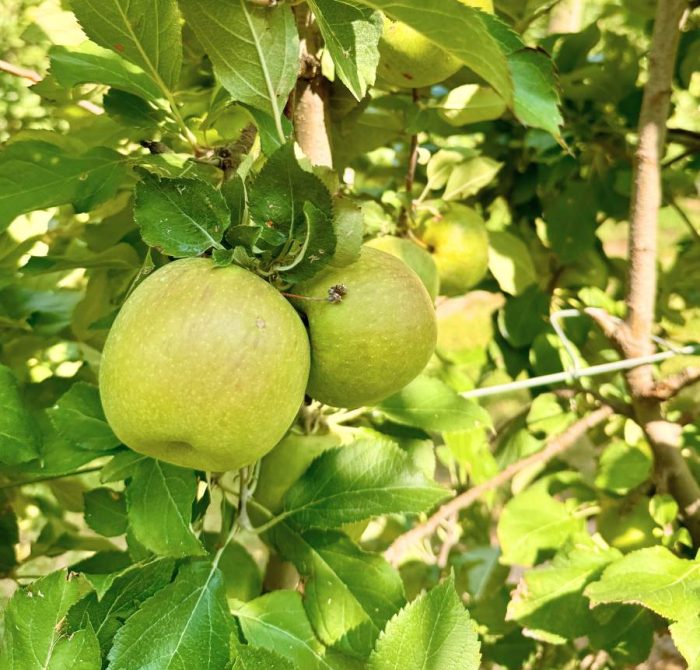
{"x": 78, "y": 417}
{"x": 36, "y": 175}
{"x": 19, "y": 439}
{"x": 180, "y": 217}
{"x": 105, "y": 511}
{"x": 169, "y": 490}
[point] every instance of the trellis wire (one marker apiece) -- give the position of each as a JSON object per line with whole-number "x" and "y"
{"x": 572, "y": 375}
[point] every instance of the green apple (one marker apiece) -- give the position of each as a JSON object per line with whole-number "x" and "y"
{"x": 204, "y": 367}
{"x": 410, "y": 60}
{"x": 373, "y": 342}
{"x": 416, "y": 257}
{"x": 286, "y": 463}
{"x": 627, "y": 528}
{"x": 460, "y": 246}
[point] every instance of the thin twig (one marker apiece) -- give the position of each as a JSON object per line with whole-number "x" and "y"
{"x": 47, "y": 478}
{"x": 686, "y": 219}
{"x": 553, "y": 448}
{"x": 35, "y": 78}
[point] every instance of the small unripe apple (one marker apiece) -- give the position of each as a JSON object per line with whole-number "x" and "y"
{"x": 373, "y": 342}
{"x": 460, "y": 246}
{"x": 627, "y": 528}
{"x": 204, "y": 367}
{"x": 416, "y": 257}
{"x": 408, "y": 59}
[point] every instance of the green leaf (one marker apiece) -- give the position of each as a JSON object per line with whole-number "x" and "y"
{"x": 90, "y": 63}
{"x": 34, "y": 621}
{"x": 536, "y": 90}
{"x": 19, "y": 439}
{"x": 510, "y": 262}
{"x": 105, "y": 613}
{"x": 524, "y": 317}
{"x": 184, "y": 626}
{"x": 549, "y": 601}
{"x": 280, "y": 191}
{"x": 351, "y": 35}
{"x": 359, "y": 481}
{"x": 254, "y": 49}
{"x": 686, "y": 635}
{"x": 78, "y": 417}
{"x": 257, "y": 658}
{"x": 531, "y": 522}
{"x": 654, "y": 578}
{"x": 349, "y": 594}
{"x": 146, "y": 32}
{"x": 36, "y": 175}
{"x": 460, "y": 30}
{"x": 170, "y": 490}
{"x": 180, "y": 217}
{"x": 80, "y": 651}
{"x": 571, "y": 221}
{"x": 434, "y": 632}
{"x": 430, "y": 404}
{"x": 470, "y": 177}
{"x": 277, "y": 622}
{"x": 9, "y": 534}
{"x": 117, "y": 257}
{"x": 105, "y": 511}
{"x": 131, "y": 110}
{"x": 122, "y": 466}
{"x": 623, "y": 466}
{"x": 317, "y": 248}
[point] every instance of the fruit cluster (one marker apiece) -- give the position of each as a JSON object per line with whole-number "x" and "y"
{"x": 206, "y": 367}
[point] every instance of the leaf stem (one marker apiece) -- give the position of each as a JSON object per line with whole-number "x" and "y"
{"x": 272, "y": 519}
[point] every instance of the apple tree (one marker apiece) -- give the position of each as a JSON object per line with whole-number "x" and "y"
{"x": 346, "y": 334}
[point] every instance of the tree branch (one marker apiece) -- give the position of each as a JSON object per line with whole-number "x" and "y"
{"x": 672, "y": 386}
{"x": 553, "y": 448}
{"x": 310, "y": 105}
{"x": 671, "y": 472}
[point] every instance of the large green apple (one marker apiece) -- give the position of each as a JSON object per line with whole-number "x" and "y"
{"x": 416, "y": 257}
{"x": 377, "y": 339}
{"x": 460, "y": 247}
{"x": 204, "y": 367}
{"x": 410, "y": 60}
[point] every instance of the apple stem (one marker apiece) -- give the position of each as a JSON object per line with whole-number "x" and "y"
{"x": 336, "y": 293}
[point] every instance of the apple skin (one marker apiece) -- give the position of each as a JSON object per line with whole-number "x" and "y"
{"x": 373, "y": 342}
{"x": 416, "y": 257}
{"x": 204, "y": 367}
{"x": 410, "y": 60}
{"x": 460, "y": 247}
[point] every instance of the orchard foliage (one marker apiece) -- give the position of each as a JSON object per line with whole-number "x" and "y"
{"x": 162, "y": 129}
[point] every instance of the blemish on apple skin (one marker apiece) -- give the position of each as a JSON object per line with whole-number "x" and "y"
{"x": 260, "y": 323}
